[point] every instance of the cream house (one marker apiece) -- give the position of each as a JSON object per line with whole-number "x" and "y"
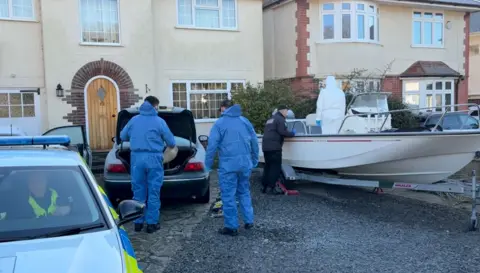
{"x": 82, "y": 66}
{"x": 474, "y": 57}
{"x": 424, "y": 45}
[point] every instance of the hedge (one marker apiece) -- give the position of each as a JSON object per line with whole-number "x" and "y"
{"x": 258, "y": 103}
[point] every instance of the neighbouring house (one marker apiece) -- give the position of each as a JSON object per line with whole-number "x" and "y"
{"x": 474, "y": 79}
{"x": 418, "y": 50}
{"x": 81, "y": 61}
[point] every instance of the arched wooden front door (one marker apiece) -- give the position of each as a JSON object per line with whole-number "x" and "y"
{"x": 102, "y": 109}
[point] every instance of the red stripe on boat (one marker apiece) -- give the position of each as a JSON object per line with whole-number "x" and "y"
{"x": 349, "y": 140}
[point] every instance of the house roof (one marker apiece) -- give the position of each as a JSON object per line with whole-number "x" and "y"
{"x": 461, "y": 3}
{"x": 429, "y": 69}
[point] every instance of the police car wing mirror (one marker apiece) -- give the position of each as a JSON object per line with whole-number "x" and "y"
{"x": 130, "y": 210}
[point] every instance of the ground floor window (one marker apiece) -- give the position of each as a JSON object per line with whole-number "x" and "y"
{"x": 203, "y": 98}
{"x": 20, "y": 112}
{"x": 359, "y": 85}
{"x": 438, "y": 94}
{"x": 17, "y": 105}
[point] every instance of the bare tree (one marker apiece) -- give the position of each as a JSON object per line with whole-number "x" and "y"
{"x": 361, "y": 80}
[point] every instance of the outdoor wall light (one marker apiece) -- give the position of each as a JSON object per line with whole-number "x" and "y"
{"x": 448, "y": 25}
{"x": 59, "y": 90}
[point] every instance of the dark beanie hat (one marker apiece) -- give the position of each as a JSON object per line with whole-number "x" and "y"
{"x": 282, "y": 107}
{"x": 226, "y": 103}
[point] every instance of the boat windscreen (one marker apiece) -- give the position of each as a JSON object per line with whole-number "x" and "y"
{"x": 371, "y": 103}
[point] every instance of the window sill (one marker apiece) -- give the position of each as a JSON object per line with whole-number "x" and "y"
{"x": 427, "y": 46}
{"x": 101, "y": 44}
{"x": 206, "y": 28}
{"x": 348, "y": 42}
{"x": 26, "y": 20}
{"x": 206, "y": 120}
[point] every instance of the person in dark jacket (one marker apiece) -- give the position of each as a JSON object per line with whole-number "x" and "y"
{"x": 272, "y": 142}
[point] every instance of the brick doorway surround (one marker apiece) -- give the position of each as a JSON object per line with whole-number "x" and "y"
{"x": 75, "y": 97}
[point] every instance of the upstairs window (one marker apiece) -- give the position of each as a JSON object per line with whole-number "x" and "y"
{"x": 16, "y": 9}
{"x": 427, "y": 29}
{"x": 210, "y": 14}
{"x": 100, "y": 22}
{"x": 349, "y": 22}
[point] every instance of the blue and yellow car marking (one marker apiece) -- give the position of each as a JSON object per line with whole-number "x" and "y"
{"x": 128, "y": 251}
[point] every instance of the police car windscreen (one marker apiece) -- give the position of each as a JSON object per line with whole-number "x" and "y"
{"x": 37, "y": 200}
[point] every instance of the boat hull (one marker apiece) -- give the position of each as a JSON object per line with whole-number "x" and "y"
{"x": 419, "y": 158}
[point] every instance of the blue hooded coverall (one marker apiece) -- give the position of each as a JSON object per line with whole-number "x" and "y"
{"x": 234, "y": 137}
{"x": 147, "y": 133}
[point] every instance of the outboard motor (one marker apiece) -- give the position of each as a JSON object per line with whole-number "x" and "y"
{"x": 290, "y": 114}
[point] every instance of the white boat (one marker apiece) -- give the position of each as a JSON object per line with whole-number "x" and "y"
{"x": 363, "y": 150}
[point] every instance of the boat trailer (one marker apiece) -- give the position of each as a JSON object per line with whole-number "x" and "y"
{"x": 470, "y": 189}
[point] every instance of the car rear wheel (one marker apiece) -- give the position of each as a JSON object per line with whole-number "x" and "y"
{"x": 204, "y": 199}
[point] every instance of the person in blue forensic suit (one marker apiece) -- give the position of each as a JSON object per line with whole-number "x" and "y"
{"x": 236, "y": 141}
{"x": 147, "y": 133}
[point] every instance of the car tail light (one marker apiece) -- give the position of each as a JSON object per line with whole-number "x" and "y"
{"x": 194, "y": 167}
{"x": 116, "y": 168}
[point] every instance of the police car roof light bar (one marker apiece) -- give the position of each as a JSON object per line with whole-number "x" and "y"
{"x": 35, "y": 140}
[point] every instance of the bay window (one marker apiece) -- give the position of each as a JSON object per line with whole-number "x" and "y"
{"x": 349, "y": 21}
{"x": 427, "y": 29}
{"x": 203, "y": 98}
{"x": 435, "y": 94}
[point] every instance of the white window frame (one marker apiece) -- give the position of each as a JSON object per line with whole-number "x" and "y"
{"x": 422, "y": 91}
{"x": 337, "y": 13}
{"x": 17, "y": 18}
{"x": 188, "y": 84}
{"x": 36, "y": 105}
{"x": 422, "y": 21}
{"x": 220, "y": 15}
{"x": 100, "y": 43}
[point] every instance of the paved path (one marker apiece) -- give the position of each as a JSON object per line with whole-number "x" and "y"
{"x": 335, "y": 229}
{"x": 154, "y": 251}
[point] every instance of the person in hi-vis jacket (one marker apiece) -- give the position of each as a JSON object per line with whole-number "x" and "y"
{"x": 331, "y": 104}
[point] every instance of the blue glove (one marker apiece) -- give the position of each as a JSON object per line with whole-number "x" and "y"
{"x": 318, "y": 122}
{"x": 255, "y": 164}
{"x": 294, "y": 131}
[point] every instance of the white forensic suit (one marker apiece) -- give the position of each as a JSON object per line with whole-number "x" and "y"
{"x": 331, "y": 106}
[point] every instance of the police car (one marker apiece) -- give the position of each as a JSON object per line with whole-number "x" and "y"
{"x": 53, "y": 215}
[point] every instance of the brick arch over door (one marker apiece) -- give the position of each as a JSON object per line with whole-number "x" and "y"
{"x": 75, "y": 97}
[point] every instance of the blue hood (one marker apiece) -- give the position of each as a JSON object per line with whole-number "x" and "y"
{"x": 234, "y": 111}
{"x": 146, "y": 109}
{"x": 96, "y": 252}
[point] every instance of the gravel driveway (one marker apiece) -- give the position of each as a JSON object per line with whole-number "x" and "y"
{"x": 335, "y": 229}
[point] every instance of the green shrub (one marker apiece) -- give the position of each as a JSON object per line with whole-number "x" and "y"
{"x": 404, "y": 119}
{"x": 258, "y": 102}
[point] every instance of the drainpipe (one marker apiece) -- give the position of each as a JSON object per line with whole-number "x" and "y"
{"x": 40, "y": 20}
{"x": 154, "y": 43}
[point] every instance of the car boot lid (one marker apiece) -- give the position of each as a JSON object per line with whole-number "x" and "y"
{"x": 183, "y": 124}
